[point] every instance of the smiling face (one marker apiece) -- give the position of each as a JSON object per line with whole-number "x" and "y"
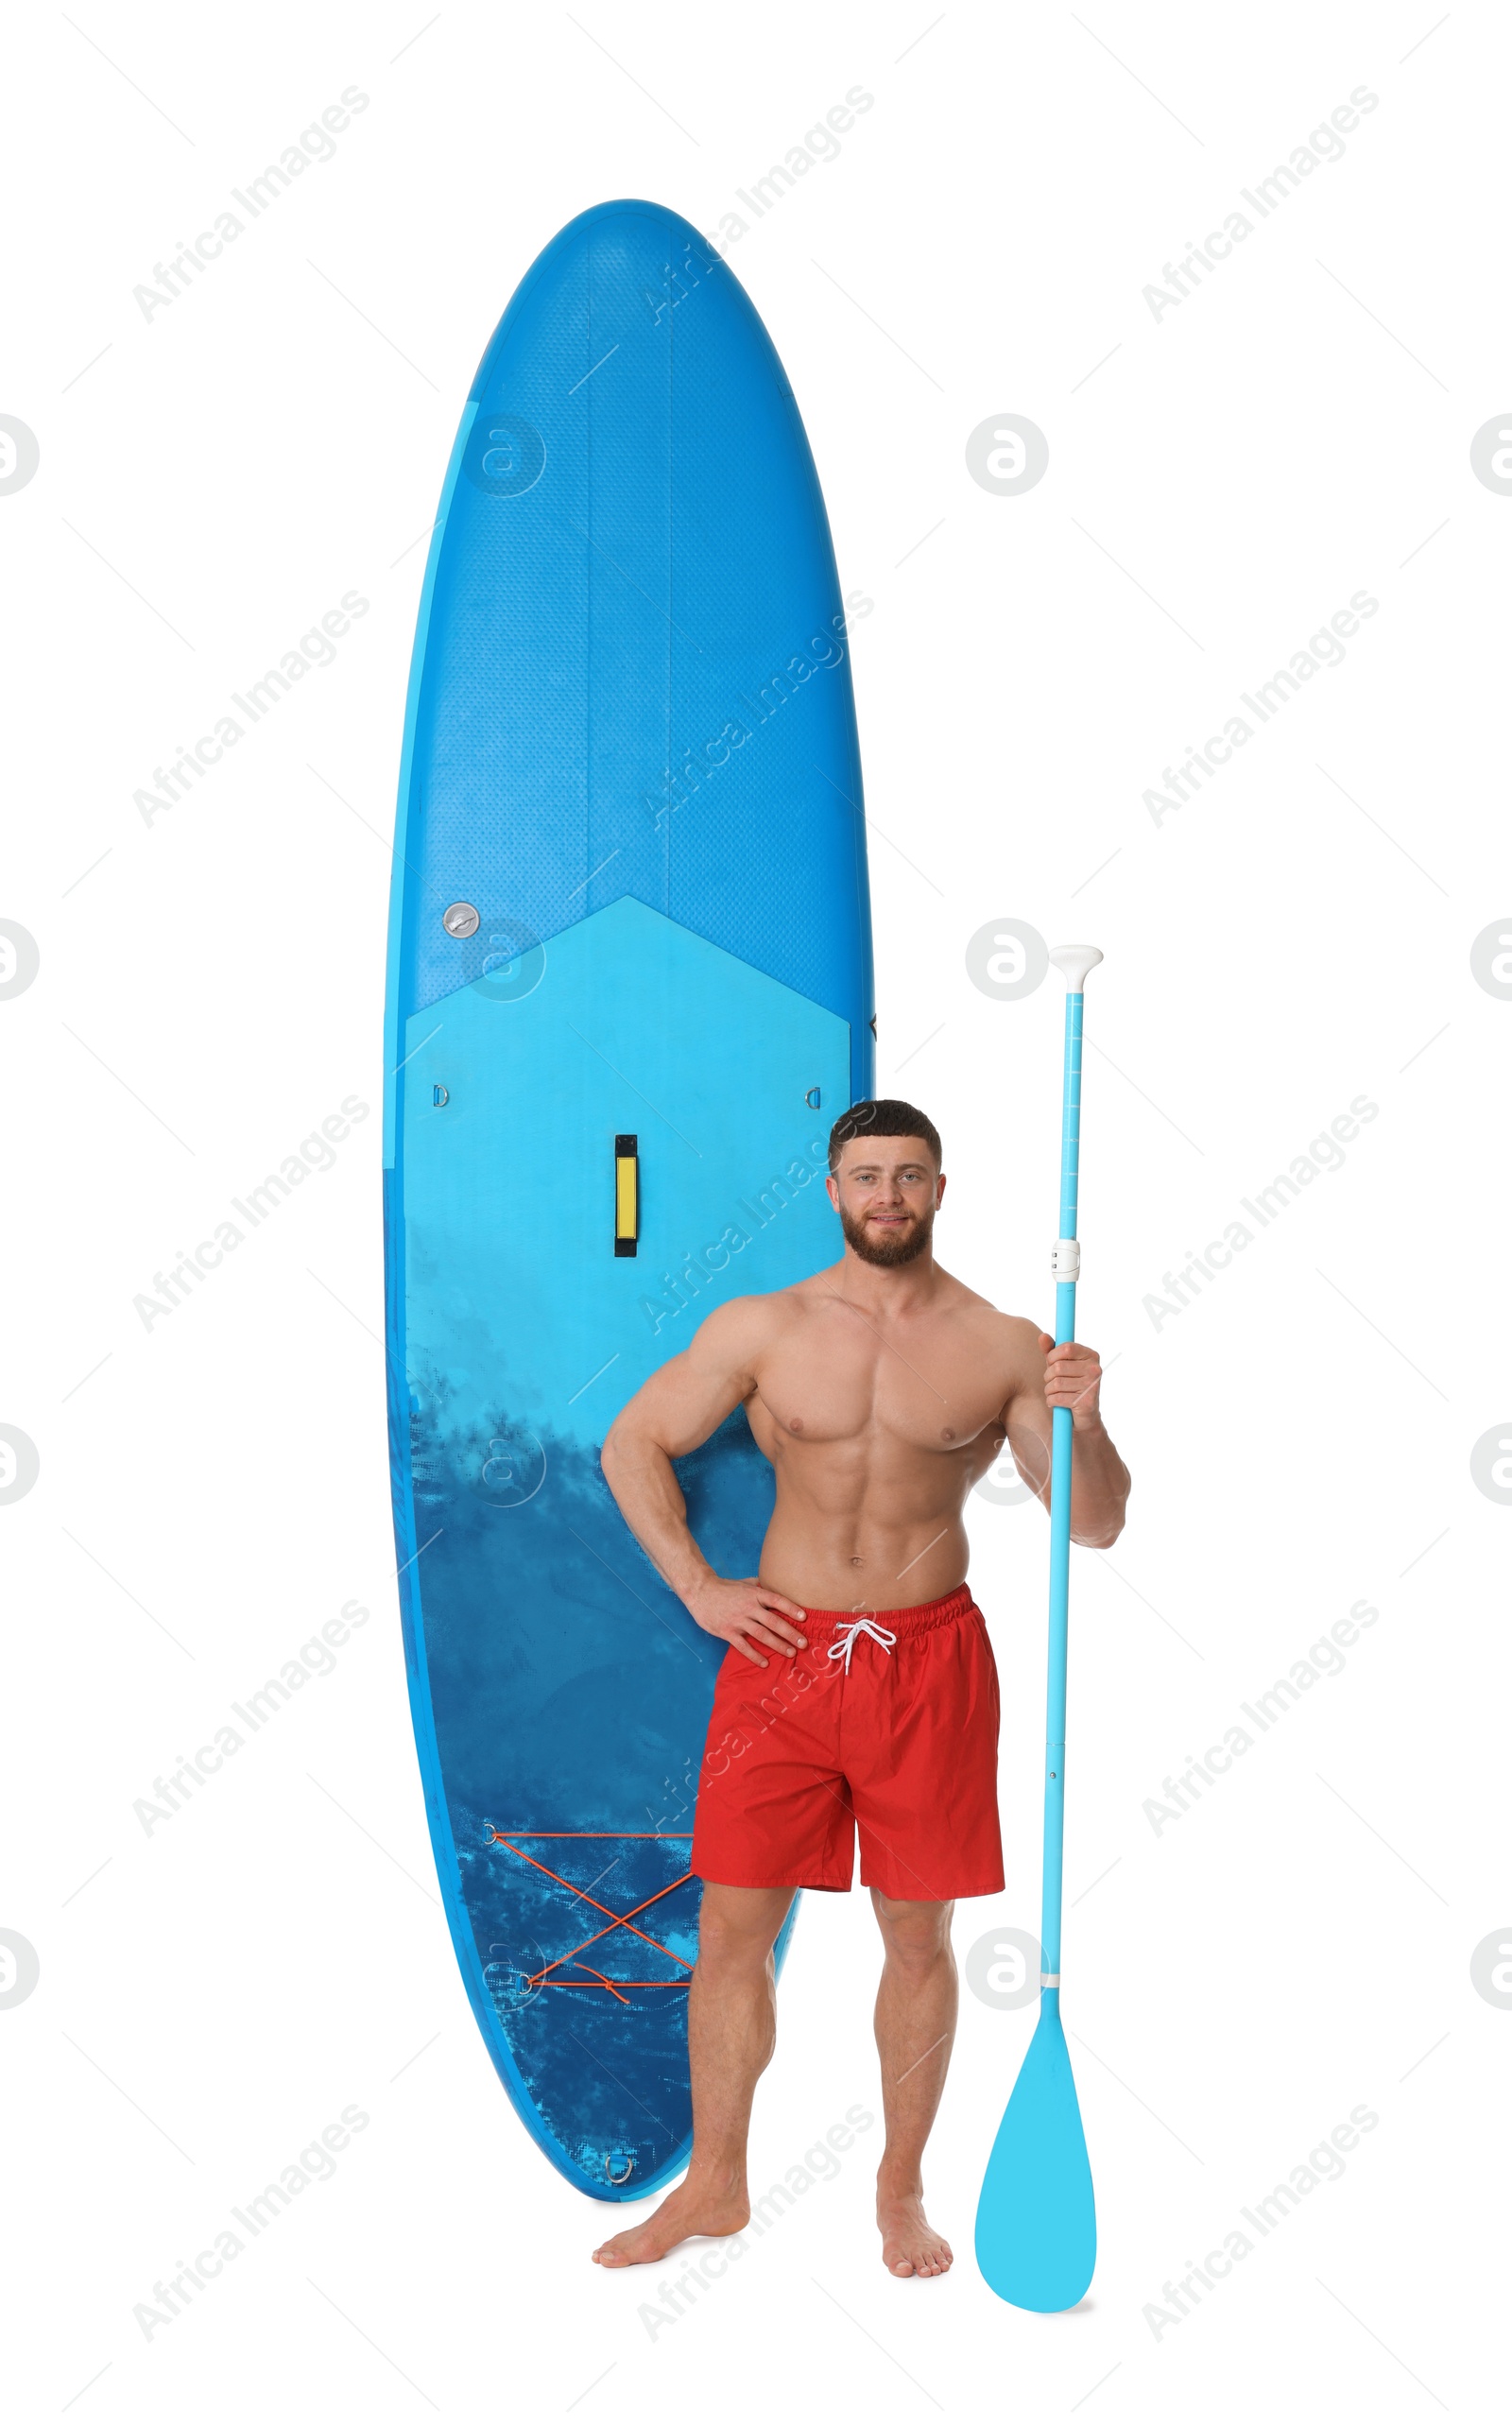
{"x": 886, "y": 1191}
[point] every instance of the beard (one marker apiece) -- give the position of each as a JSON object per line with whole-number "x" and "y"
{"x": 892, "y": 1247}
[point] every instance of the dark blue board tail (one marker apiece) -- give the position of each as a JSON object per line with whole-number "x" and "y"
{"x": 630, "y": 988}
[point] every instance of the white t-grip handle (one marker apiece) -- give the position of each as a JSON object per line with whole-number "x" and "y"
{"x": 1073, "y": 960}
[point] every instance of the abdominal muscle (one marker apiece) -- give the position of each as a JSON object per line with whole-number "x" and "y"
{"x": 866, "y": 1524}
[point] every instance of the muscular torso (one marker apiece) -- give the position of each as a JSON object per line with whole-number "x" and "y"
{"x": 877, "y": 1432}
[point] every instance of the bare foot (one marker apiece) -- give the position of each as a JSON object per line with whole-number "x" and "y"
{"x": 909, "y": 2243}
{"x": 693, "y": 2208}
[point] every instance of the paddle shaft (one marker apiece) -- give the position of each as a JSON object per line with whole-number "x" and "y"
{"x": 1060, "y": 1521}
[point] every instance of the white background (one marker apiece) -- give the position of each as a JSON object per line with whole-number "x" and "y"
{"x": 213, "y": 1490}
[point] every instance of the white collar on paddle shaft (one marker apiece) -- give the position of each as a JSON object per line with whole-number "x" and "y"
{"x": 845, "y": 1643}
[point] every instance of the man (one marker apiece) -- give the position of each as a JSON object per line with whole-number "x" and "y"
{"x": 859, "y": 1688}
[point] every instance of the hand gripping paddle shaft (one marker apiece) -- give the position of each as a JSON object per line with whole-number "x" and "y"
{"x": 1036, "y": 2221}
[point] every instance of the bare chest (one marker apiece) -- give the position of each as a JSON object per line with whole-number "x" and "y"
{"x": 839, "y": 1380}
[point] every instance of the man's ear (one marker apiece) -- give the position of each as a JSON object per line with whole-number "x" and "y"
{"x": 940, "y": 1191}
{"x": 833, "y": 1191}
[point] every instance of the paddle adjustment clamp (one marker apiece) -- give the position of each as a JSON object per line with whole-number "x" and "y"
{"x": 1050, "y": 1979}
{"x": 1065, "y": 1259}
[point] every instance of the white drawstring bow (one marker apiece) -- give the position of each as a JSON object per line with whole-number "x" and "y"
{"x": 845, "y": 1643}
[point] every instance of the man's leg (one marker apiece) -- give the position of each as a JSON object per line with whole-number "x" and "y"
{"x": 732, "y": 2032}
{"x": 916, "y": 2024}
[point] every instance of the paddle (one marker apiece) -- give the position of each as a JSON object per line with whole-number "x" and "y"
{"x": 1036, "y": 2220}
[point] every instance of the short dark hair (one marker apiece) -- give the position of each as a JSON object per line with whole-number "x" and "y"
{"x": 887, "y": 1116}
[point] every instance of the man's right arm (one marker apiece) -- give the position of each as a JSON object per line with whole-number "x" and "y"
{"x": 672, "y": 1414}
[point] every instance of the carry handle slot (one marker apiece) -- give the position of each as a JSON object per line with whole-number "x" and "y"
{"x": 626, "y": 1195}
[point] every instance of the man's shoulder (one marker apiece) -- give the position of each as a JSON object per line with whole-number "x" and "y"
{"x": 1007, "y": 1344}
{"x": 970, "y": 1307}
{"x": 743, "y": 1325}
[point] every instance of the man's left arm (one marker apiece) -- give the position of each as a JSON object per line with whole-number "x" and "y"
{"x": 1071, "y": 1377}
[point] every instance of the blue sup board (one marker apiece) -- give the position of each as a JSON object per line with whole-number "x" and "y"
{"x": 630, "y": 988}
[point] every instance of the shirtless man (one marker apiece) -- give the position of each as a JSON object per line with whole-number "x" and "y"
{"x": 859, "y": 1689}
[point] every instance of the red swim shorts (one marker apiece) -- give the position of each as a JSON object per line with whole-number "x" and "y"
{"x": 888, "y": 1722}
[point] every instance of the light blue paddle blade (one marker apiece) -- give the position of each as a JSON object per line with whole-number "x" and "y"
{"x": 1036, "y": 2220}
